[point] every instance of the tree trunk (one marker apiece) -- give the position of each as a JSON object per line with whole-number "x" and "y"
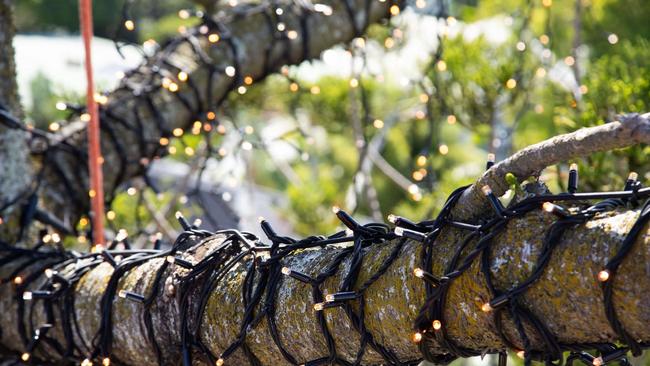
{"x": 567, "y": 298}
{"x": 15, "y": 167}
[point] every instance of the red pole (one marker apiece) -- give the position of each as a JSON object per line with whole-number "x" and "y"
{"x": 96, "y": 192}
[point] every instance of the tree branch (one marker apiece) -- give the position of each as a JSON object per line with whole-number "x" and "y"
{"x": 632, "y": 129}
{"x": 144, "y": 108}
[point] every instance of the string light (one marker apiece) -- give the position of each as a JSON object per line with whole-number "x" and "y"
{"x": 572, "y": 186}
{"x": 612, "y": 38}
{"x": 494, "y": 201}
{"x": 555, "y": 209}
{"x": 417, "y": 337}
{"x": 436, "y": 324}
{"x": 603, "y": 275}
{"x": 129, "y": 25}
{"x": 491, "y": 158}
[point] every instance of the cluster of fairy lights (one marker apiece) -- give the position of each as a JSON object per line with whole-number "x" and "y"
{"x": 243, "y": 245}
{"x": 266, "y": 268}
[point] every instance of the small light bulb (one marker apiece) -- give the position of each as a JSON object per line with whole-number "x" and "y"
{"x": 417, "y": 337}
{"x": 418, "y": 272}
{"x": 129, "y": 25}
{"x": 106, "y": 361}
{"x": 18, "y": 280}
{"x": 521, "y": 354}
{"x": 548, "y": 207}
{"x": 319, "y": 306}
{"x": 598, "y": 361}
{"x": 219, "y": 362}
{"x": 25, "y": 357}
{"x": 603, "y": 275}
{"x": 491, "y": 157}
{"x": 27, "y": 295}
{"x": 171, "y": 259}
{"x": 486, "y": 190}
{"x": 399, "y": 231}
{"x": 573, "y": 166}
{"x": 329, "y": 297}
{"x": 633, "y": 176}
{"x": 286, "y": 271}
{"x": 392, "y": 218}
{"x": 486, "y": 307}
{"x": 122, "y": 294}
{"x": 437, "y": 325}
{"x": 336, "y": 209}
{"x": 49, "y": 272}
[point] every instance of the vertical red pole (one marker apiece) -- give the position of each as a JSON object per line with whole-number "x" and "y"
{"x": 95, "y": 160}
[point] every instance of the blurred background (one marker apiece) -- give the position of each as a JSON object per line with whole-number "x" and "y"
{"x": 390, "y": 123}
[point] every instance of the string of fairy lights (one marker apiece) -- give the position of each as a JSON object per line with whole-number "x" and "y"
{"x": 265, "y": 273}
{"x": 266, "y": 270}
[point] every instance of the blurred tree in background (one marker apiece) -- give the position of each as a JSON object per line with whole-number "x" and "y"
{"x": 495, "y": 76}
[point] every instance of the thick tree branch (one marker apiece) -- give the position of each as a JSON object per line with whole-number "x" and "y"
{"x": 140, "y": 111}
{"x": 567, "y": 298}
{"x": 630, "y": 130}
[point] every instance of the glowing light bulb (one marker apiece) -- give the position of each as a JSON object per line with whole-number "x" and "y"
{"x": 548, "y": 207}
{"x": 417, "y": 337}
{"x": 25, "y": 357}
{"x": 18, "y": 280}
{"x": 598, "y": 361}
{"x": 219, "y": 362}
{"x": 392, "y": 218}
{"x": 603, "y": 275}
{"x": 521, "y": 354}
{"x": 286, "y": 271}
{"x": 106, "y": 361}
{"x": 319, "y": 306}
{"x": 486, "y": 190}
{"x": 418, "y": 272}
{"x": 129, "y": 25}
{"x": 633, "y": 176}
{"x": 436, "y": 324}
{"x": 329, "y": 297}
{"x": 486, "y": 307}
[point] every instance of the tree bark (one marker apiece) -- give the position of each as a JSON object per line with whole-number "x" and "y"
{"x": 15, "y": 167}
{"x": 567, "y": 298}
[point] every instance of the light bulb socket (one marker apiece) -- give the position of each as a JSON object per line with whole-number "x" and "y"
{"x": 347, "y": 220}
{"x": 297, "y": 275}
{"x": 131, "y": 296}
{"x": 180, "y": 262}
{"x": 341, "y": 296}
{"x": 572, "y": 186}
{"x": 410, "y": 234}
